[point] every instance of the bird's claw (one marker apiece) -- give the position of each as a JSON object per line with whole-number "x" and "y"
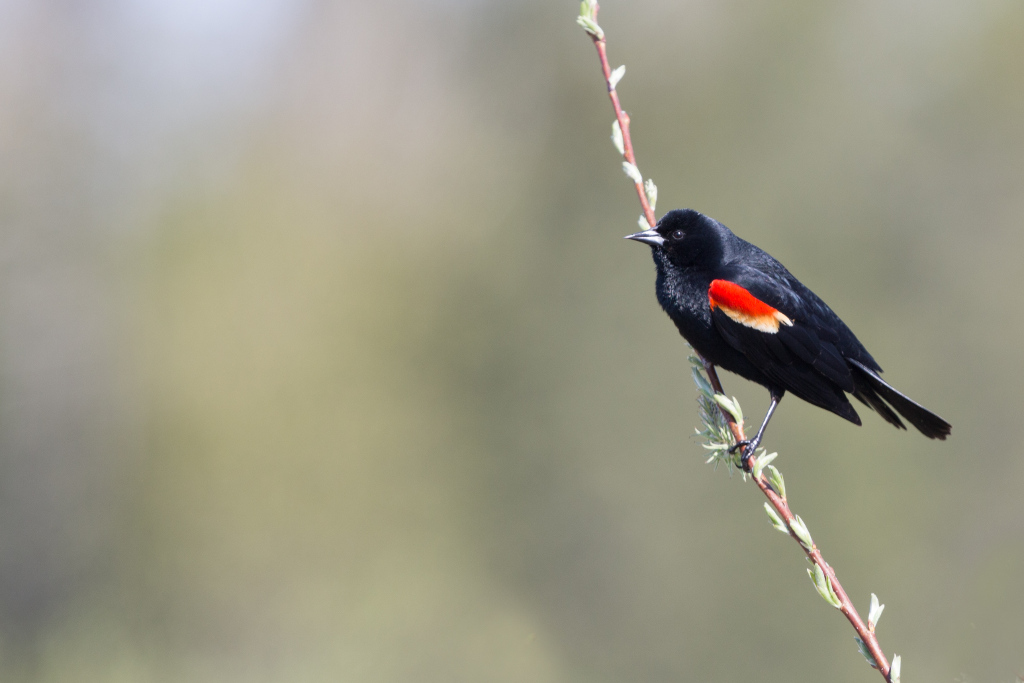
{"x": 745, "y": 460}
{"x": 739, "y": 444}
{"x": 748, "y": 446}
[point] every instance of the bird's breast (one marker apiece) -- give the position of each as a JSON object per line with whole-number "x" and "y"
{"x": 683, "y": 296}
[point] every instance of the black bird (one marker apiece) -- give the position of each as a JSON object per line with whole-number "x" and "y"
{"x": 743, "y": 311}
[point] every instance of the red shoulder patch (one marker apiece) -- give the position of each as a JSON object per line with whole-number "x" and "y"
{"x": 745, "y": 308}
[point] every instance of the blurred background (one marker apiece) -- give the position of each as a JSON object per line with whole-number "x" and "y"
{"x": 322, "y": 357}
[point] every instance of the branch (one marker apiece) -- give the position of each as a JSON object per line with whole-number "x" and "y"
{"x": 647, "y": 192}
{"x": 722, "y": 417}
{"x": 773, "y": 487}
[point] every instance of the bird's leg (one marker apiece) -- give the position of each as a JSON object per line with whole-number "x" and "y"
{"x": 750, "y": 445}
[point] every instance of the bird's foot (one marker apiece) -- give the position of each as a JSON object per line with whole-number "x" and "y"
{"x": 748, "y": 446}
{"x": 738, "y": 445}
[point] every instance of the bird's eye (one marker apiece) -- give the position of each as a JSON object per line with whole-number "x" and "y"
{"x": 677, "y": 235}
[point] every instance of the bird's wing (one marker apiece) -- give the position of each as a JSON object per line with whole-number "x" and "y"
{"x": 782, "y": 334}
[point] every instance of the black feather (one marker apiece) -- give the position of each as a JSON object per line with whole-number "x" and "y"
{"x": 817, "y": 357}
{"x": 927, "y": 422}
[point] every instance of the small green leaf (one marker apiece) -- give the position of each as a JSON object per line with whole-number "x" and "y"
{"x": 874, "y": 612}
{"x": 801, "y": 532}
{"x": 866, "y": 652}
{"x": 824, "y": 586}
{"x": 633, "y": 172}
{"x": 590, "y": 26}
{"x": 702, "y": 384}
{"x": 617, "y": 137}
{"x": 739, "y": 411}
{"x": 813, "y": 572}
{"x": 776, "y": 480}
{"x": 776, "y": 520}
{"x": 616, "y": 76}
{"x": 729, "y": 405}
{"x": 836, "y": 602}
{"x": 894, "y": 668}
{"x": 652, "y": 193}
{"x": 761, "y": 462}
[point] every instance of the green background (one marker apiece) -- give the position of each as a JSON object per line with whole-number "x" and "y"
{"x": 322, "y": 357}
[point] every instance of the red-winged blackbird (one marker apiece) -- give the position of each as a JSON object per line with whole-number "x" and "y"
{"x": 743, "y": 311}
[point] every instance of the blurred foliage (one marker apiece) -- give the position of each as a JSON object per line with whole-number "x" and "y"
{"x": 323, "y": 359}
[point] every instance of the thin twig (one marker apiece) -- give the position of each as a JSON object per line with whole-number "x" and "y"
{"x": 864, "y": 632}
{"x": 623, "y": 118}
{"x": 782, "y": 507}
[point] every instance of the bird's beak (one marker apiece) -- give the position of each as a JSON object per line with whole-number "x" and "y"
{"x": 650, "y": 237}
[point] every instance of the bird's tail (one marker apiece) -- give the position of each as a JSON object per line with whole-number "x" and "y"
{"x": 872, "y": 389}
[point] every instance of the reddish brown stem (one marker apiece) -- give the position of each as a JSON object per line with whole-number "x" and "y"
{"x": 623, "y": 119}
{"x": 774, "y": 499}
{"x": 782, "y": 508}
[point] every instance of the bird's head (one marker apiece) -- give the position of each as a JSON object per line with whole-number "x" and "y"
{"x": 686, "y": 237}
